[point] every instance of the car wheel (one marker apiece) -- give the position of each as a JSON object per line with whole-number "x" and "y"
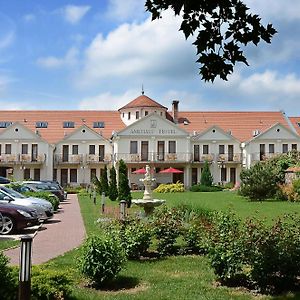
{"x": 7, "y": 225}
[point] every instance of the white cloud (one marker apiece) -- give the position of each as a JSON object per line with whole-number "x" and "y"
{"x": 73, "y": 14}
{"x": 7, "y": 40}
{"x": 126, "y": 10}
{"x": 52, "y": 62}
{"x": 107, "y": 101}
{"x": 150, "y": 49}
{"x": 29, "y": 18}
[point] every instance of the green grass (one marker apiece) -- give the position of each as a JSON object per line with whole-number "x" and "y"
{"x": 177, "y": 277}
{"x": 5, "y": 244}
{"x": 229, "y": 200}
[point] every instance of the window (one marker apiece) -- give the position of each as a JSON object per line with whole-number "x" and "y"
{"x": 133, "y": 147}
{"x": 262, "y": 151}
{"x": 101, "y": 152}
{"x": 24, "y": 148}
{"x": 7, "y": 148}
{"x": 68, "y": 124}
{"x": 196, "y": 153}
{"x": 102, "y": 172}
{"x": 41, "y": 124}
{"x": 146, "y": 113}
{"x": 271, "y": 148}
{"x": 221, "y": 149}
{"x": 73, "y": 175}
{"x": 26, "y": 174}
{"x": 54, "y": 174}
{"x": 205, "y": 149}
{"x": 129, "y": 115}
{"x": 294, "y": 147}
{"x": 92, "y": 149}
{"x": 93, "y": 174}
{"x": 36, "y": 174}
{"x": 285, "y": 148}
{"x": 133, "y": 170}
{"x": 137, "y": 115}
{"x": 223, "y": 174}
{"x": 172, "y": 146}
{"x": 5, "y": 124}
{"x": 34, "y": 152}
{"x": 298, "y": 124}
{"x": 123, "y": 115}
{"x": 98, "y": 125}
{"x": 75, "y": 149}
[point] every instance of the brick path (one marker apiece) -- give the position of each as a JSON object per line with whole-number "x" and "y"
{"x": 64, "y": 232}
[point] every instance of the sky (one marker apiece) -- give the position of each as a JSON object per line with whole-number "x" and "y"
{"x": 97, "y": 54}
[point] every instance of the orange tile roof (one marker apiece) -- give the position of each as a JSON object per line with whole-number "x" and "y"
{"x": 241, "y": 124}
{"x": 295, "y": 121}
{"x": 55, "y": 131}
{"x": 142, "y": 101}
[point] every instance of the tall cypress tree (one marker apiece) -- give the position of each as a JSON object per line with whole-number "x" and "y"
{"x": 104, "y": 182}
{"x": 206, "y": 177}
{"x": 113, "y": 190}
{"x": 124, "y": 188}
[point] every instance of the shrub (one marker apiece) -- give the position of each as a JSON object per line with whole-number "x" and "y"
{"x": 50, "y": 284}
{"x": 102, "y": 258}
{"x": 206, "y": 177}
{"x": 123, "y": 187}
{"x": 104, "y": 182}
{"x": 259, "y": 182}
{"x": 177, "y": 187}
{"x": 205, "y": 188}
{"x": 288, "y": 192}
{"x": 47, "y": 196}
{"x": 113, "y": 190}
{"x": 167, "y": 225}
{"x": 296, "y": 187}
{"x": 8, "y": 279}
{"x": 136, "y": 238}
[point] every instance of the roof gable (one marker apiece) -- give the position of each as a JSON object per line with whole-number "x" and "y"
{"x": 277, "y": 132}
{"x": 214, "y": 133}
{"x": 83, "y": 133}
{"x": 151, "y": 125}
{"x": 17, "y": 131}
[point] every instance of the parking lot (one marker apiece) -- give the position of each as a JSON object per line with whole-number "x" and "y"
{"x": 62, "y": 233}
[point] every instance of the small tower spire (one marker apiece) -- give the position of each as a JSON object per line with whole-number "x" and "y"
{"x": 143, "y": 89}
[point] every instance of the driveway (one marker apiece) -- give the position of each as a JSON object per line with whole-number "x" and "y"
{"x": 61, "y": 234}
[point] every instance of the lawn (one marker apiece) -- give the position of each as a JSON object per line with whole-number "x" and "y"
{"x": 177, "y": 277}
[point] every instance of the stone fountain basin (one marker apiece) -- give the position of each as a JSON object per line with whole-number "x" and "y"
{"x": 148, "y": 203}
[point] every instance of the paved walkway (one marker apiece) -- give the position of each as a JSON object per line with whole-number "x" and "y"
{"x": 64, "y": 232}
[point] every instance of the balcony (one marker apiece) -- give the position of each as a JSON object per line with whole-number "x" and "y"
{"x": 154, "y": 157}
{"x": 229, "y": 158}
{"x": 257, "y": 156}
{"x": 68, "y": 159}
{"x": 9, "y": 158}
{"x": 22, "y": 159}
{"x": 95, "y": 159}
{"x": 203, "y": 158}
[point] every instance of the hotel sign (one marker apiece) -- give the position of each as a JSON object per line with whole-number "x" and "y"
{"x": 155, "y": 131}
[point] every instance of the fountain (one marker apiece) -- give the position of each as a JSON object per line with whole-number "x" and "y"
{"x": 148, "y": 203}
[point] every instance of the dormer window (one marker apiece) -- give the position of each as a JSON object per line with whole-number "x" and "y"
{"x": 137, "y": 115}
{"x": 5, "y": 124}
{"x": 68, "y": 124}
{"x": 98, "y": 125}
{"x": 298, "y": 123}
{"x": 41, "y": 124}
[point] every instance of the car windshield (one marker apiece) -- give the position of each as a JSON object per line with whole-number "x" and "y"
{"x": 12, "y": 193}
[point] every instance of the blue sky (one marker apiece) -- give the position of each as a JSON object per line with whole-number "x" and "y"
{"x": 97, "y": 54}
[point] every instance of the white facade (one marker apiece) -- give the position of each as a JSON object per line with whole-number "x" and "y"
{"x": 149, "y": 137}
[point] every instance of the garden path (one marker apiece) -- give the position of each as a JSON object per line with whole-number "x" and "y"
{"x": 64, "y": 232}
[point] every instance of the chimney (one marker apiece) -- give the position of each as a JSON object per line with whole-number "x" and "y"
{"x": 175, "y": 110}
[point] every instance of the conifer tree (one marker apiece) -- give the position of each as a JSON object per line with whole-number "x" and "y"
{"x": 206, "y": 177}
{"x": 123, "y": 188}
{"x": 113, "y": 190}
{"x": 104, "y": 182}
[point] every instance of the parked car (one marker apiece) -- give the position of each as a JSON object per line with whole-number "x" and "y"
{"x": 47, "y": 187}
{"x": 44, "y": 208}
{"x": 16, "y": 217}
{"x": 57, "y": 185}
{"x": 4, "y": 180}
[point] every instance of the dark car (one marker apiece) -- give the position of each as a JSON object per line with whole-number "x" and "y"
{"x": 16, "y": 217}
{"x": 4, "y": 180}
{"x": 47, "y": 187}
{"x": 57, "y": 186}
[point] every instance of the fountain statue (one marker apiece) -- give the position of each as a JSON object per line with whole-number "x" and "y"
{"x": 148, "y": 203}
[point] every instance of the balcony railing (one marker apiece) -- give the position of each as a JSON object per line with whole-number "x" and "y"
{"x": 68, "y": 159}
{"x": 154, "y": 157}
{"x": 229, "y": 157}
{"x": 203, "y": 158}
{"x": 257, "y": 156}
{"x": 93, "y": 158}
{"x": 22, "y": 159}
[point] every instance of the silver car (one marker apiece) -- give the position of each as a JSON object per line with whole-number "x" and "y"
{"x": 44, "y": 208}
